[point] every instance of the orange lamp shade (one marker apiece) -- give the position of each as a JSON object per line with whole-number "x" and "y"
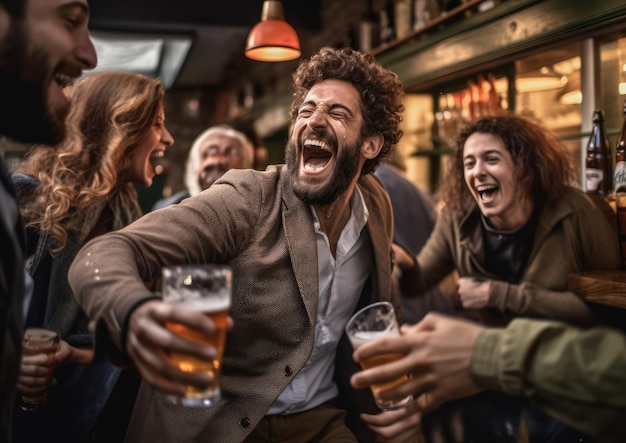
{"x": 272, "y": 39}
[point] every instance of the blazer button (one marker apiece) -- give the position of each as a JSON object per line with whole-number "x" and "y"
{"x": 244, "y": 422}
{"x": 288, "y": 371}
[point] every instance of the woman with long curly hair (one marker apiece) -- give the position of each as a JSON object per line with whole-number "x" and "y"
{"x": 68, "y": 195}
{"x": 514, "y": 228}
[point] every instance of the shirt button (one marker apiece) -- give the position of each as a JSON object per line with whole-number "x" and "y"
{"x": 244, "y": 422}
{"x": 288, "y": 371}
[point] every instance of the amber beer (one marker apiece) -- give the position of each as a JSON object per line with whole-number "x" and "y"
{"x": 189, "y": 363}
{"x": 371, "y": 323}
{"x": 207, "y": 289}
{"x": 39, "y": 341}
{"x": 360, "y": 338}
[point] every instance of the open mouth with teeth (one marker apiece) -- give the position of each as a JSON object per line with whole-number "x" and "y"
{"x": 157, "y": 162}
{"x": 486, "y": 192}
{"x": 60, "y": 80}
{"x": 315, "y": 155}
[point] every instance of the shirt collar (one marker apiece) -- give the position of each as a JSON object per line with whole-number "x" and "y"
{"x": 359, "y": 212}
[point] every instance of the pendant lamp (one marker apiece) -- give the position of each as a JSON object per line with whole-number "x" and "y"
{"x": 272, "y": 39}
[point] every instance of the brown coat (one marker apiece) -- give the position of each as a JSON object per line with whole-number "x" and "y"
{"x": 252, "y": 221}
{"x": 572, "y": 235}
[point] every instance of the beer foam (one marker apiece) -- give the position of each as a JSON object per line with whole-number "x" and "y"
{"x": 361, "y": 337}
{"x": 209, "y": 304}
{"x": 203, "y": 299}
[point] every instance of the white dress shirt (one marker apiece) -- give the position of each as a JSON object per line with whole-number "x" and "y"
{"x": 340, "y": 282}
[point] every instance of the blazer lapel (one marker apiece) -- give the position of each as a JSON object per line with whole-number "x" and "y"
{"x": 302, "y": 244}
{"x": 380, "y": 229}
{"x": 380, "y": 248}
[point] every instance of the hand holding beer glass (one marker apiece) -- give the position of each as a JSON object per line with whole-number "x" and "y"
{"x": 370, "y": 323}
{"x": 204, "y": 288}
{"x": 39, "y": 345}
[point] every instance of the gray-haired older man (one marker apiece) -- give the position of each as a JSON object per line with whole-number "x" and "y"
{"x": 214, "y": 152}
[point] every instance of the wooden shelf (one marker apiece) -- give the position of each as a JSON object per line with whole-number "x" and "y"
{"x": 432, "y": 24}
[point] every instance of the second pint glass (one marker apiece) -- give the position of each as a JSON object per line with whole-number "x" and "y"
{"x": 370, "y": 323}
{"x": 205, "y": 288}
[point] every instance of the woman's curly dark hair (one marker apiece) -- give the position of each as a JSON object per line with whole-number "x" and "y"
{"x": 381, "y": 92}
{"x": 110, "y": 115}
{"x": 543, "y": 165}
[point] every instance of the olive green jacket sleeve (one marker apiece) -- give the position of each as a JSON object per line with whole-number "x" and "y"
{"x": 575, "y": 375}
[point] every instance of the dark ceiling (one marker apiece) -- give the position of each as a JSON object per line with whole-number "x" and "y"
{"x": 218, "y": 28}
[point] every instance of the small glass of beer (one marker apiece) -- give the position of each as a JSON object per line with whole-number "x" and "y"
{"x": 205, "y": 288}
{"x": 39, "y": 341}
{"x": 370, "y": 323}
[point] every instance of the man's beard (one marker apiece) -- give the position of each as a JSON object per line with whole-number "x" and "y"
{"x": 345, "y": 169}
{"x": 24, "y": 80}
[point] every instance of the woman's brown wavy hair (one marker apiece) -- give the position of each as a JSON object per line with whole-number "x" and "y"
{"x": 544, "y": 166}
{"x": 110, "y": 114}
{"x": 381, "y": 92}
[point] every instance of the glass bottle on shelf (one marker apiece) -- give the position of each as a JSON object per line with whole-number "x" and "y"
{"x": 619, "y": 176}
{"x": 388, "y": 23}
{"x": 475, "y": 110}
{"x": 402, "y": 18}
{"x": 439, "y": 129}
{"x": 452, "y": 118}
{"x": 369, "y": 33}
{"x": 421, "y": 14}
{"x": 448, "y": 119}
{"x": 619, "y": 184}
{"x": 598, "y": 164}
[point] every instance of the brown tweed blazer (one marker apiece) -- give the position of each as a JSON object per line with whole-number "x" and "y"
{"x": 252, "y": 221}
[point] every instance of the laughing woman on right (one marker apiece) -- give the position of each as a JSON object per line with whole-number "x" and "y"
{"x": 513, "y": 227}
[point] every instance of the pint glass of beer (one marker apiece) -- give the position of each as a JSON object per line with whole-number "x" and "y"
{"x": 39, "y": 341}
{"x": 205, "y": 288}
{"x": 370, "y": 323}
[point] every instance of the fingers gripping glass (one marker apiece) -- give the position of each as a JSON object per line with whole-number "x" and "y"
{"x": 370, "y": 323}
{"x": 39, "y": 341}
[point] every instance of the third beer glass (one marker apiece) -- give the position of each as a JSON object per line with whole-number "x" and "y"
{"x": 205, "y": 288}
{"x": 39, "y": 341}
{"x": 370, "y": 323}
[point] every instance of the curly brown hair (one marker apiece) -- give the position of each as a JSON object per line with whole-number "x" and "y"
{"x": 381, "y": 92}
{"x": 110, "y": 114}
{"x": 544, "y": 166}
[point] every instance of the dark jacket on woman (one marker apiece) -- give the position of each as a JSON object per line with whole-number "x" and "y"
{"x": 572, "y": 235}
{"x": 80, "y": 392}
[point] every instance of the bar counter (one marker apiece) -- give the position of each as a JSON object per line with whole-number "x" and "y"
{"x": 601, "y": 287}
